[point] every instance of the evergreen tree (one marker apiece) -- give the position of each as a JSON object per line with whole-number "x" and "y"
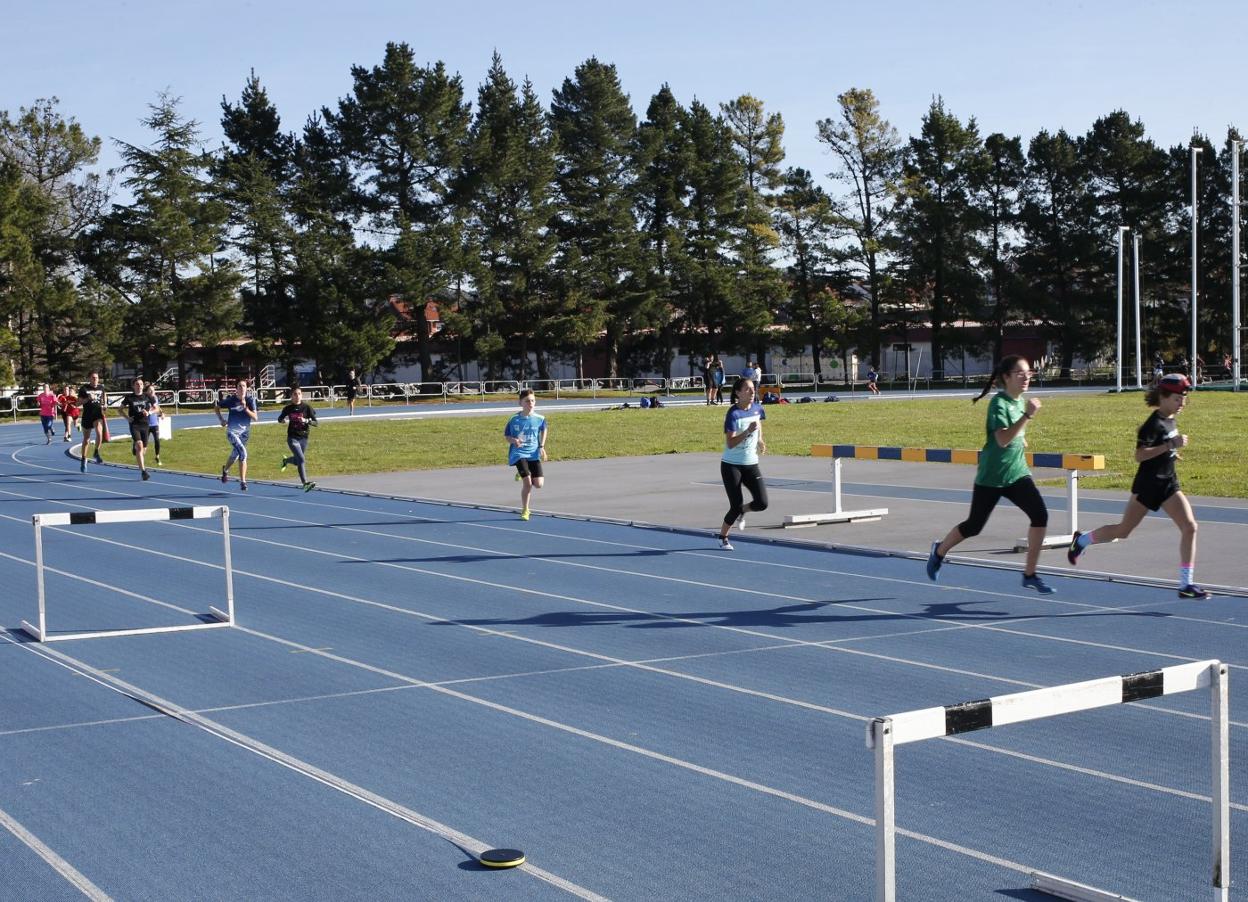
{"x": 599, "y": 258}
{"x": 758, "y": 139}
{"x": 159, "y": 252}
{"x": 508, "y": 190}
{"x": 997, "y": 200}
{"x": 937, "y": 227}
{"x": 869, "y": 153}
{"x": 404, "y": 130}
{"x": 53, "y": 199}
{"x": 663, "y": 161}
{"x": 1057, "y": 217}
{"x": 254, "y": 169}
{"x": 705, "y": 273}
{"x": 805, "y": 221}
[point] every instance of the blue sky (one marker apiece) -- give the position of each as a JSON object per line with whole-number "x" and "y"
{"x": 1016, "y": 67}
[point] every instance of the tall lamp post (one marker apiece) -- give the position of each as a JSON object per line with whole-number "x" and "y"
{"x": 1139, "y": 363}
{"x": 1236, "y": 146}
{"x": 1118, "y": 359}
{"x": 1192, "y": 360}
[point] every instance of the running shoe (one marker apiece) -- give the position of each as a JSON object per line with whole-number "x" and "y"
{"x": 158, "y": 462}
{"x": 243, "y": 486}
{"x": 225, "y": 476}
{"x": 740, "y": 524}
{"x": 49, "y": 441}
{"x": 98, "y": 459}
{"x": 1194, "y": 591}
{"x": 524, "y": 514}
{"x": 83, "y": 465}
{"x": 934, "y": 561}
{"x": 1073, "y": 552}
{"x": 309, "y": 486}
{"x": 724, "y": 544}
{"x": 67, "y": 438}
{"x": 285, "y": 464}
{"x": 1035, "y": 582}
{"x": 517, "y": 475}
{"x": 146, "y": 475}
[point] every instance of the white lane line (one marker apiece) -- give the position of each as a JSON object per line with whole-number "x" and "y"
{"x": 71, "y": 874}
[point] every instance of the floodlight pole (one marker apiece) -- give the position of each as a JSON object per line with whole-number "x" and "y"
{"x": 1118, "y": 358}
{"x": 1192, "y": 362}
{"x": 1236, "y": 147}
{"x": 1139, "y": 363}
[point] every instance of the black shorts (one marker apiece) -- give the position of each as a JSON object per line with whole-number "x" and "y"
{"x": 140, "y": 432}
{"x": 1153, "y": 493}
{"x": 529, "y": 468}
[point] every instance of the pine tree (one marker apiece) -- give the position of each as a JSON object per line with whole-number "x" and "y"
{"x": 938, "y": 224}
{"x": 997, "y": 197}
{"x": 758, "y": 139}
{"x": 805, "y": 221}
{"x": 404, "y": 130}
{"x": 869, "y": 153}
{"x": 599, "y": 255}
{"x": 159, "y": 252}
{"x": 53, "y": 199}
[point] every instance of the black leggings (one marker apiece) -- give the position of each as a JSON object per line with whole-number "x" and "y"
{"x": 1023, "y": 493}
{"x": 735, "y": 476}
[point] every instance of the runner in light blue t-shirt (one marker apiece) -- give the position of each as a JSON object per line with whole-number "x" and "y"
{"x": 526, "y": 437}
{"x": 743, "y": 442}
{"x": 242, "y": 411}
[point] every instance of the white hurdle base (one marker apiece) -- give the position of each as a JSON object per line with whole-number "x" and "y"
{"x": 839, "y": 515}
{"x": 1072, "y": 514}
{"x": 797, "y": 521}
{"x": 1061, "y": 888}
{"x": 223, "y": 619}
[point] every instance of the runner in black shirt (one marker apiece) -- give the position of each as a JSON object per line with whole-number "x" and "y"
{"x": 1156, "y": 486}
{"x": 136, "y": 406}
{"x": 354, "y": 387}
{"x": 299, "y": 417}
{"x": 93, "y": 424}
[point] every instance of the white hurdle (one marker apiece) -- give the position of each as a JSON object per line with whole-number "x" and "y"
{"x": 884, "y": 733}
{"x": 85, "y": 518}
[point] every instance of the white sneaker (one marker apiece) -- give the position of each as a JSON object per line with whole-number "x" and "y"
{"x": 740, "y": 524}
{"x": 724, "y": 544}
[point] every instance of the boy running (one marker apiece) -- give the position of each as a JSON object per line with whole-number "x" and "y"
{"x": 526, "y": 434}
{"x": 241, "y": 407}
{"x": 136, "y": 407}
{"x": 93, "y": 423}
{"x": 1156, "y": 485}
{"x": 298, "y": 417}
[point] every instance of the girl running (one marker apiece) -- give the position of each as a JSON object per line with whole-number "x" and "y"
{"x": 67, "y": 404}
{"x": 1003, "y": 472}
{"x": 154, "y": 415}
{"x": 299, "y": 417}
{"x": 47, "y": 411}
{"x": 743, "y": 442}
{"x": 93, "y": 423}
{"x": 1156, "y": 485}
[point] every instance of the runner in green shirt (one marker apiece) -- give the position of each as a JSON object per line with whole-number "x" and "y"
{"x": 1003, "y": 472}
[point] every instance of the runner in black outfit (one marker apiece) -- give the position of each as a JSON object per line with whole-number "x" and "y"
{"x": 1156, "y": 485}
{"x": 353, "y": 389}
{"x": 298, "y": 417}
{"x": 136, "y": 407}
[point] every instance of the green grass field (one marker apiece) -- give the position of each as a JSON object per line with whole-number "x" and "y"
{"x": 1213, "y": 464}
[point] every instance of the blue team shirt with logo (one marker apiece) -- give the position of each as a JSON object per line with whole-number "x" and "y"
{"x": 236, "y": 419}
{"x": 529, "y": 430}
{"x": 738, "y": 420}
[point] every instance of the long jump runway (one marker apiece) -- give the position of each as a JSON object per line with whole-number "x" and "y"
{"x": 646, "y": 716}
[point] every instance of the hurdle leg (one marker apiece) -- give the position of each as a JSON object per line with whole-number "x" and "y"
{"x": 226, "y": 616}
{"x": 836, "y": 485}
{"x": 1221, "y": 794}
{"x": 880, "y": 737}
{"x": 839, "y": 514}
{"x": 1072, "y": 517}
{"x": 40, "y": 631}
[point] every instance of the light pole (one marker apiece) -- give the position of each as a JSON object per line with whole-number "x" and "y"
{"x": 1139, "y": 364}
{"x": 1118, "y": 358}
{"x": 1192, "y": 360}
{"x": 1236, "y": 146}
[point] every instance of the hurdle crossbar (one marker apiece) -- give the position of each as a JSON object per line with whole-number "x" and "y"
{"x": 87, "y": 518}
{"x": 1073, "y": 464}
{"x": 885, "y": 733}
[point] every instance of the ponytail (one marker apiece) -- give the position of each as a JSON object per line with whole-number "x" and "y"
{"x": 1004, "y": 365}
{"x": 1152, "y": 397}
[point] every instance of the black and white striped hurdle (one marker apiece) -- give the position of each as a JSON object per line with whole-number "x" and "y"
{"x": 883, "y": 733}
{"x": 148, "y": 515}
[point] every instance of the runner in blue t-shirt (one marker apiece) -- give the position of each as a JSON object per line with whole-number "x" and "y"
{"x": 743, "y": 442}
{"x": 526, "y": 436}
{"x": 242, "y": 411}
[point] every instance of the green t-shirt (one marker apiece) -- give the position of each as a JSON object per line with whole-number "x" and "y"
{"x": 999, "y": 467}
